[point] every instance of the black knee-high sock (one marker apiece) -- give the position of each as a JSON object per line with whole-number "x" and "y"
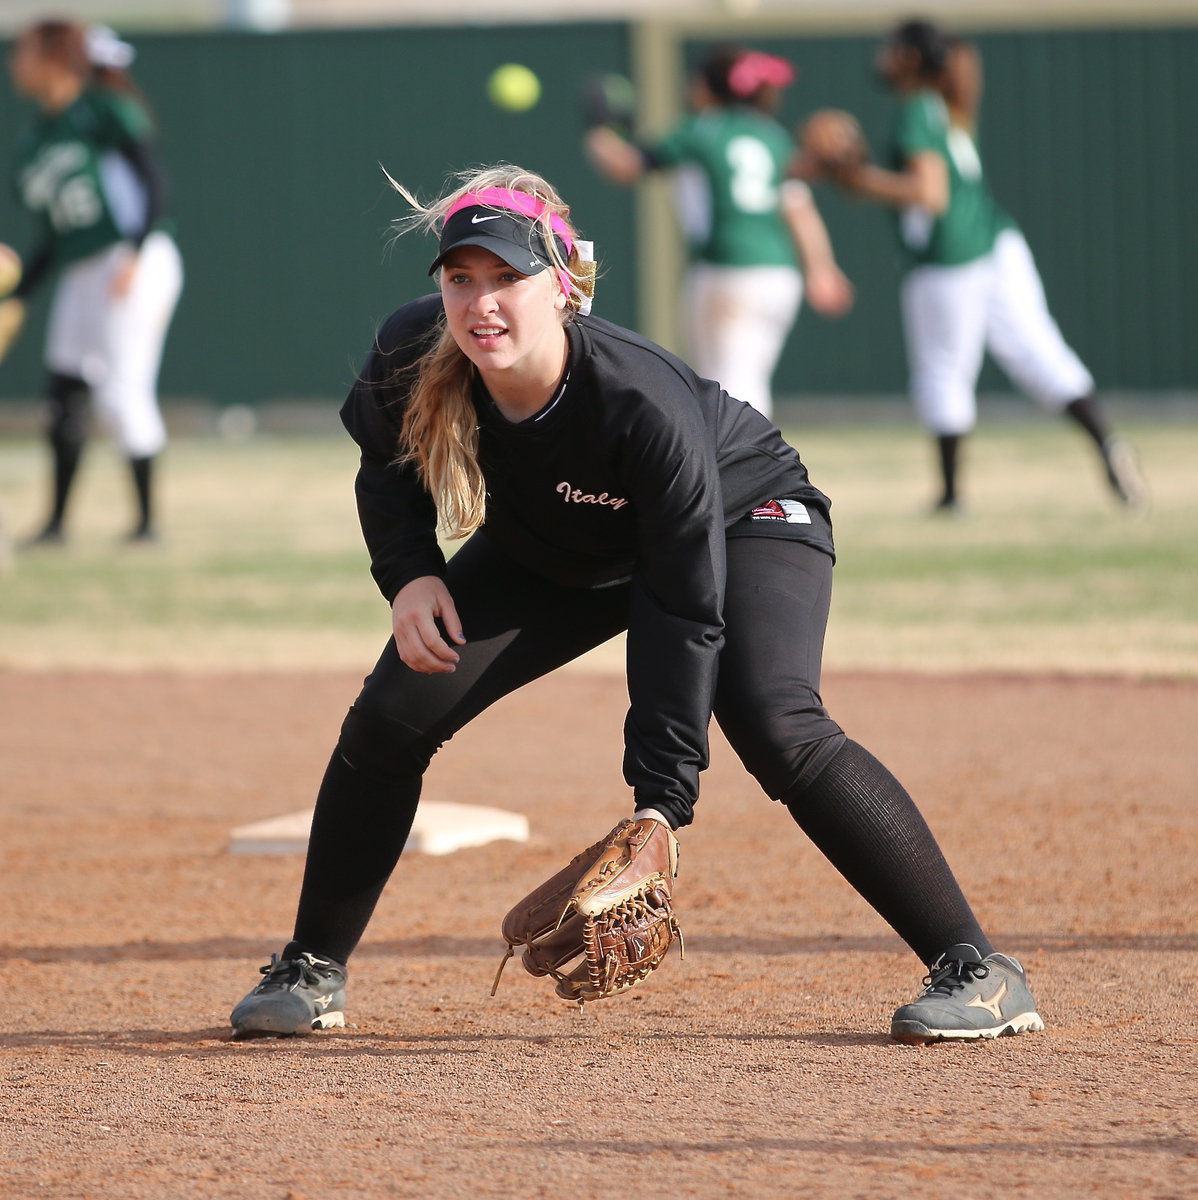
{"x": 948, "y": 445}
{"x": 1086, "y": 415}
{"x": 70, "y": 400}
{"x": 66, "y": 466}
{"x": 866, "y": 824}
{"x": 358, "y": 832}
{"x": 1122, "y": 473}
{"x": 142, "y": 471}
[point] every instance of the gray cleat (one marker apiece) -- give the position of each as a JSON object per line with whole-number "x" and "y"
{"x": 1123, "y": 473}
{"x": 967, "y": 996}
{"x": 298, "y": 995}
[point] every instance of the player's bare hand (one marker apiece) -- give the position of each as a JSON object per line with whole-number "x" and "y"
{"x": 415, "y": 612}
{"x": 828, "y": 291}
{"x": 122, "y": 278}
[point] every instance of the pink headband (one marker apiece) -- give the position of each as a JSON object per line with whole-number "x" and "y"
{"x": 521, "y": 202}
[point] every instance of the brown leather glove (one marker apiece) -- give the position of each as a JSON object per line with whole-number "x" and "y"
{"x": 610, "y": 908}
{"x": 831, "y": 139}
{"x": 12, "y": 317}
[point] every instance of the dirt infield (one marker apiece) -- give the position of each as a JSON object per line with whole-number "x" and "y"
{"x": 757, "y": 1067}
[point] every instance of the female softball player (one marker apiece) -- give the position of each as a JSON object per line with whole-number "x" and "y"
{"x": 972, "y": 284}
{"x": 86, "y": 170}
{"x": 601, "y": 485}
{"x": 743, "y": 222}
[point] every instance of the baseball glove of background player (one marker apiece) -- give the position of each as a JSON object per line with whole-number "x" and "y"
{"x": 610, "y": 908}
{"x": 12, "y": 317}
{"x": 832, "y": 138}
{"x": 609, "y": 100}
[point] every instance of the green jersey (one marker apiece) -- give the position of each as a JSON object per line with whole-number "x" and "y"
{"x": 743, "y": 156}
{"x": 968, "y": 228}
{"x": 71, "y": 174}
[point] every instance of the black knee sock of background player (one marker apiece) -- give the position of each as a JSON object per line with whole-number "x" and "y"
{"x": 868, "y": 827}
{"x": 70, "y": 400}
{"x": 66, "y": 466}
{"x": 1122, "y": 476}
{"x": 1086, "y": 414}
{"x": 949, "y": 447}
{"x": 359, "y": 829}
{"x": 143, "y": 489}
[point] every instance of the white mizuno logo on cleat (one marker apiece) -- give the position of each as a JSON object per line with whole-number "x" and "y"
{"x": 993, "y": 1005}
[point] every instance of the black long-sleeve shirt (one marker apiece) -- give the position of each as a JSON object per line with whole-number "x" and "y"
{"x": 638, "y": 472}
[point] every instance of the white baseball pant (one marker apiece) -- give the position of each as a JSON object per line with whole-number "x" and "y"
{"x": 115, "y": 344}
{"x": 737, "y": 319}
{"x": 953, "y": 315}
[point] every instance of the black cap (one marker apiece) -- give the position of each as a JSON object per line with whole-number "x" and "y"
{"x": 515, "y": 238}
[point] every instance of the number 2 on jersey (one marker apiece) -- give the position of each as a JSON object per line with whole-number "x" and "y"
{"x": 753, "y": 183}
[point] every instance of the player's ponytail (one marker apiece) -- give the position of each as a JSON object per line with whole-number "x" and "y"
{"x": 439, "y": 434}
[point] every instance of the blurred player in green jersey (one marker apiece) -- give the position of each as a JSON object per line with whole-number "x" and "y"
{"x": 743, "y": 219}
{"x": 971, "y": 286}
{"x": 86, "y": 170}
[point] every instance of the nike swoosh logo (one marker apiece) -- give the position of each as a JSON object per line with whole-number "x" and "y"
{"x": 476, "y": 219}
{"x": 993, "y": 1005}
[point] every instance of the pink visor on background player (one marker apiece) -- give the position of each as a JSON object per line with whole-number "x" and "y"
{"x": 510, "y": 225}
{"x": 753, "y": 69}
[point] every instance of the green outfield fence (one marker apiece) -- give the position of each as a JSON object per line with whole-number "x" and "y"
{"x": 275, "y": 145}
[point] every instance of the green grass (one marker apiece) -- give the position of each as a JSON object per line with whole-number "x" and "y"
{"x": 1045, "y": 573}
{"x": 262, "y": 564}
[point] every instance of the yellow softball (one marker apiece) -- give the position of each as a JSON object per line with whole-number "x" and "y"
{"x": 513, "y": 87}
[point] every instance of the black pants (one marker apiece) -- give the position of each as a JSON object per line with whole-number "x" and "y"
{"x": 518, "y": 628}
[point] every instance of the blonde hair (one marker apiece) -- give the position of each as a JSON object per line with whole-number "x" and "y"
{"x": 440, "y": 427}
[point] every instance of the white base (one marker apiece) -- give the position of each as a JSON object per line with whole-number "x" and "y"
{"x": 439, "y": 828}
